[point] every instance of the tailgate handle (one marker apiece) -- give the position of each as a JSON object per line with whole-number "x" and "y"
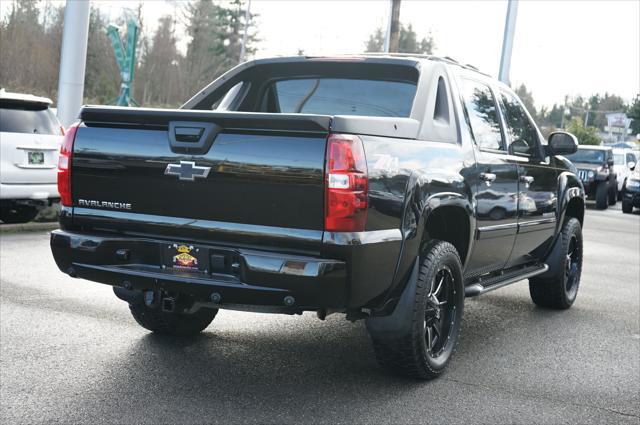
{"x": 188, "y": 134}
{"x": 192, "y": 137}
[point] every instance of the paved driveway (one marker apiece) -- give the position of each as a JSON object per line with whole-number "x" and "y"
{"x": 70, "y": 352}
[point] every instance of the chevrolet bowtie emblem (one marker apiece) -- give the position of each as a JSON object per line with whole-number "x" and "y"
{"x": 187, "y": 170}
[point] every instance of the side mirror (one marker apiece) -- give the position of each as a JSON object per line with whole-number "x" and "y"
{"x": 519, "y": 146}
{"x": 631, "y": 165}
{"x": 610, "y": 162}
{"x": 562, "y": 143}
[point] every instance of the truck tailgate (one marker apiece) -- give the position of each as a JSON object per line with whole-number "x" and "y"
{"x": 259, "y": 169}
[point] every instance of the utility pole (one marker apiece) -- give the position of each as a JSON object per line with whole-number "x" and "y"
{"x": 387, "y": 34}
{"x": 73, "y": 60}
{"x": 243, "y": 49}
{"x": 394, "y": 27}
{"x": 507, "y": 41}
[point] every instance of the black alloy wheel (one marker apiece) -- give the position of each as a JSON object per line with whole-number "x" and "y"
{"x": 440, "y": 313}
{"x": 573, "y": 263}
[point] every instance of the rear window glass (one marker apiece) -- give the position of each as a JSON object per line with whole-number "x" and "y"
{"x": 589, "y": 156}
{"x": 25, "y": 118}
{"x": 336, "y": 96}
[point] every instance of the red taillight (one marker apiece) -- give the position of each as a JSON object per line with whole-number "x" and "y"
{"x": 64, "y": 166}
{"x": 346, "y": 185}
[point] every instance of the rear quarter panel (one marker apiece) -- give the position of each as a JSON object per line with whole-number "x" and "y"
{"x": 408, "y": 179}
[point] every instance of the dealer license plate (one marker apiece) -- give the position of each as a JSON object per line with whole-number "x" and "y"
{"x": 186, "y": 257}
{"x": 35, "y": 157}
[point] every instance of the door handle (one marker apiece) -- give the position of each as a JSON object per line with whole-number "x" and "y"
{"x": 488, "y": 178}
{"x": 527, "y": 180}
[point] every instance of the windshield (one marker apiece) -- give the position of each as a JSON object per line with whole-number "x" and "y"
{"x": 338, "y": 96}
{"x": 28, "y": 118}
{"x": 589, "y": 156}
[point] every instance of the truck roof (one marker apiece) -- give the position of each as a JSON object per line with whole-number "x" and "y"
{"x": 27, "y": 98}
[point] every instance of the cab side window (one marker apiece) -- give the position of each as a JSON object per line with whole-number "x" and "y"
{"x": 524, "y": 136}
{"x": 483, "y": 116}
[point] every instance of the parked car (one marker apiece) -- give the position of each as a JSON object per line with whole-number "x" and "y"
{"x": 624, "y": 160}
{"x": 631, "y": 192}
{"x": 31, "y": 136}
{"x": 595, "y": 169}
{"x": 266, "y": 203}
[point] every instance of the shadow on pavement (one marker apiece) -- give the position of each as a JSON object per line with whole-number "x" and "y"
{"x": 317, "y": 371}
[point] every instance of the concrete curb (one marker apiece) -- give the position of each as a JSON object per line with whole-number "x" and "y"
{"x": 28, "y": 227}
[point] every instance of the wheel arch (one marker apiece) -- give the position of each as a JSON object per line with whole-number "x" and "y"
{"x": 449, "y": 222}
{"x": 571, "y": 199}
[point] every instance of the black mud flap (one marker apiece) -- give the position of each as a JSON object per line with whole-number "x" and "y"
{"x": 399, "y": 322}
{"x": 554, "y": 259}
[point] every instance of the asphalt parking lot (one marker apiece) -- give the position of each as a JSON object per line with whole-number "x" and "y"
{"x": 70, "y": 352}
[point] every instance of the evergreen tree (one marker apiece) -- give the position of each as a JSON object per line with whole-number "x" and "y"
{"x": 216, "y": 36}
{"x": 634, "y": 114}
{"x": 408, "y": 42}
{"x": 159, "y": 73}
{"x": 102, "y": 77}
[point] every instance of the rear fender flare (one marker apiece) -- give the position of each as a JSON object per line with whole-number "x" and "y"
{"x": 455, "y": 200}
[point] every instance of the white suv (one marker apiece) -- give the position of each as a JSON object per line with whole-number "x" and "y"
{"x": 623, "y": 161}
{"x": 30, "y": 139}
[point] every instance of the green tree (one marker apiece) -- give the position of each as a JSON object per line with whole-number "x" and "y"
{"x": 600, "y": 105}
{"x": 633, "y": 112}
{"x": 408, "y": 42}
{"x": 102, "y": 77}
{"x": 30, "y": 56}
{"x": 216, "y": 36}
{"x": 159, "y": 73}
{"x": 586, "y": 135}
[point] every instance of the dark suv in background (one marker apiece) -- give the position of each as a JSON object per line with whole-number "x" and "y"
{"x": 631, "y": 192}
{"x": 595, "y": 169}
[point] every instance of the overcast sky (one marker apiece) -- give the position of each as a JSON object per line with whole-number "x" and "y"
{"x": 561, "y": 47}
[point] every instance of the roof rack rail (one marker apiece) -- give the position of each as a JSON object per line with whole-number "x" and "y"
{"x": 399, "y": 55}
{"x": 413, "y": 55}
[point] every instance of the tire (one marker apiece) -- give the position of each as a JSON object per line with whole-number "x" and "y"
{"x": 560, "y": 291}
{"x": 602, "y": 191}
{"x": 176, "y": 324}
{"x": 497, "y": 213}
{"x": 18, "y": 214}
{"x": 419, "y": 352}
{"x": 613, "y": 194}
{"x": 627, "y": 207}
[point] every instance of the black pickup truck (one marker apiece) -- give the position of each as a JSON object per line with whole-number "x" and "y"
{"x": 388, "y": 188}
